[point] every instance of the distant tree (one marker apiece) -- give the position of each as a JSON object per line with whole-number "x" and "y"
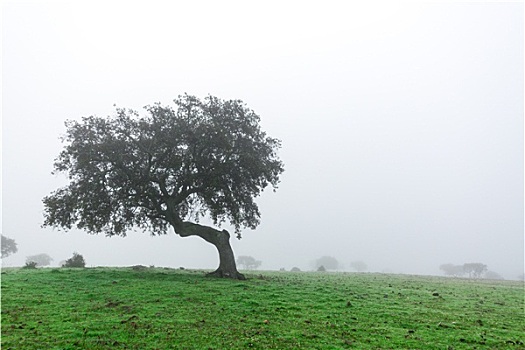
{"x": 30, "y": 265}
{"x": 167, "y": 170}
{"x": 475, "y": 270}
{"x": 359, "y": 266}
{"x": 8, "y": 246}
{"x": 40, "y": 259}
{"x": 295, "y": 269}
{"x": 248, "y": 262}
{"x": 321, "y": 269}
{"x": 76, "y": 260}
{"x": 452, "y": 270}
{"x": 328, "y": 262}
{"x": 491, "y": 275}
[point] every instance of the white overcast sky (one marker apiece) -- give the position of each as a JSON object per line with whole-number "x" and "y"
{"x": 401, "y": 122}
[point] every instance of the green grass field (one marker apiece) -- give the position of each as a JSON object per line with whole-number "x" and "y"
{"x": 156, "y": 308}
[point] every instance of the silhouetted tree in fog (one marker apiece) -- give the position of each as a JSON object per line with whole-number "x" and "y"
{"x": 167, "y": 169}
{"x": 76, "y": 260}
{"x": 40, "y": 259}
{"x": 8, "y": 246}
{"x": 491, "y": 275}
{"x": 248, "y": 262}
{"x": 359, "y": 266}
{"x": 328, "y": 262}
{"x": 474, "y": 270}
{"x": 452, "y": 270}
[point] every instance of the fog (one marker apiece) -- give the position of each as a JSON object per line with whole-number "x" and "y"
{"x": 401, "y": 124}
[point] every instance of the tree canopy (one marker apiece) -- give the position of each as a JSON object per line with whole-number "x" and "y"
{"x": 248, "y": 262}
{"x": 359, "y": 266}
{"x": 8, "y": 246}
{"x": 452, "y": 270}
{"x": 475, "y": 270}
{"x": 42, "y": 259}
{"x": 168, "y": 168}
{"x": 77, "y": 260}
{"x": 328, "y": 262}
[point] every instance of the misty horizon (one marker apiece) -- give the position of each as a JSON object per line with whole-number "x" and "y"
{"x": 401, "y": 125}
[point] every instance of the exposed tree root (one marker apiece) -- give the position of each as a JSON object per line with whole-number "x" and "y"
{"x": 221, "y": 274}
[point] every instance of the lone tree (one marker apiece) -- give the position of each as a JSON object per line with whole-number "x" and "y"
{"x": 327, "y": 262}
{"x": 248, "y": 262}
{"x": 8, "y": 246}
{"x": 491, "y": 275}
{"x": 39, "y": 259}
{"x": 76, "y": 260}
{"x": 359, "y": 266}
{"x": 452, "y": 270}
{"x": 166, "y": 169}
{"x": 474, "y": 270}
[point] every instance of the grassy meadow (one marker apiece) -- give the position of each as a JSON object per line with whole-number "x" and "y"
{"x": 158, "y": 308}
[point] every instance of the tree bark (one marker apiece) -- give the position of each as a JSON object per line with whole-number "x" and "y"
{"x": 220, "y": 239}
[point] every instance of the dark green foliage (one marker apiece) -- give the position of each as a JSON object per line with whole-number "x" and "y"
{"x": 321, "y": 269}
{"x": 76, "y": 260}
{"x": 167, "y": 169}
{"x": 8, "y": 246}
{"x": 179, "y": 163}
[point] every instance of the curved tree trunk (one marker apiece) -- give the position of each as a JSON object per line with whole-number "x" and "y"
{"x": 220, "y": 239}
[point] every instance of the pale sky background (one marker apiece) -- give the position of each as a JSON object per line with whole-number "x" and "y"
{"x": 401, "y": 123}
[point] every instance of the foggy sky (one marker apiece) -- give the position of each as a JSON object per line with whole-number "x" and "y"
{"x": 401, "y": 124}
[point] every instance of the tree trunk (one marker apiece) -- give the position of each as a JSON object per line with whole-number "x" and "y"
{"x": 220, "y": 239}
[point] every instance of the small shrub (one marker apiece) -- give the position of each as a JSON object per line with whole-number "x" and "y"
{"x": 76, "y": 260}
{"x": 30, "y": 265}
